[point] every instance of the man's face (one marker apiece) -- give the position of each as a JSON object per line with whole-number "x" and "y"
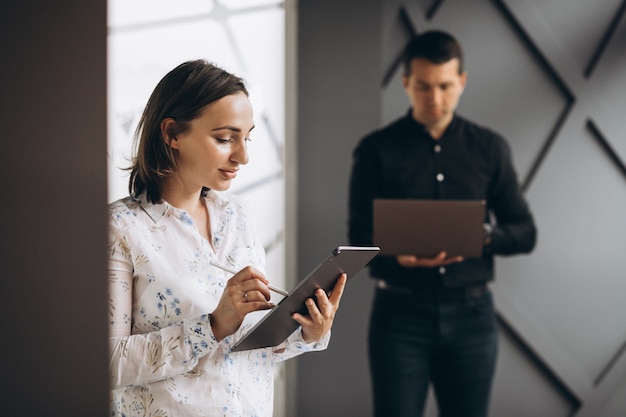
{"x": 434, "y": 91}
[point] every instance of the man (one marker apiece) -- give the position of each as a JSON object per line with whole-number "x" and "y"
{"x": 433, "y": 319}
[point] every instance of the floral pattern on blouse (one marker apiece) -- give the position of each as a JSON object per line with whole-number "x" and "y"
{"x": 164, "y": 359}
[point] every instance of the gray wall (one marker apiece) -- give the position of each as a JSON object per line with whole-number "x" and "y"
{"x": 53, "y": 211}
{"x": 339, "y": 71}
{"x": 551, "y": 77}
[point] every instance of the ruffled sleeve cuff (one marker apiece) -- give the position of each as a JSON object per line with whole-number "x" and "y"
{"x": 295, "y": 345}
{"x": 149, "y": 357}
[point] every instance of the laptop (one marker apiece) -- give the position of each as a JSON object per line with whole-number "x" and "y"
{"x": 426, "y": 227}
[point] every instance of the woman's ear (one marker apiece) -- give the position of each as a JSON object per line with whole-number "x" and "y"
{"x": 168, "y": 132}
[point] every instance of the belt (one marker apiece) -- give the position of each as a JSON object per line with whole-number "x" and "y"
{"x": 433, "y": 294}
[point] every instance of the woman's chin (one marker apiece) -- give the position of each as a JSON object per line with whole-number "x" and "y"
{"x": 222, "y": 186}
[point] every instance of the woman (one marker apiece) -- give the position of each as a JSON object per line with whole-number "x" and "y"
{"x": 174, "y": 314}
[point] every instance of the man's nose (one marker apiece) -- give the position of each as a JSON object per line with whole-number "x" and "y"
{"x": 435, "y": 95}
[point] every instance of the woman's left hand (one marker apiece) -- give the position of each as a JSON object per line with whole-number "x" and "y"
{"x": 321, "y": 315}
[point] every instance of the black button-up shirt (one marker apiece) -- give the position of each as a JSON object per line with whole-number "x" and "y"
{"x": 468, "y": 162}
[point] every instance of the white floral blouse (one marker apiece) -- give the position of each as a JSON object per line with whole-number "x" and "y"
{"x": 164, "y": 359}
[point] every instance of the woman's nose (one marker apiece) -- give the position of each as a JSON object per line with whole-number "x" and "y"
{"x": 240, "y": 152}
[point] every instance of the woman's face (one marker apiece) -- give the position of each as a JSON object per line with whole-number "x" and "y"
{"x": 210, "y": 152}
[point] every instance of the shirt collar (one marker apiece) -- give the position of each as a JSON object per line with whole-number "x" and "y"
{"x": 422, "y": 129}
{"x": 156, "y": 211}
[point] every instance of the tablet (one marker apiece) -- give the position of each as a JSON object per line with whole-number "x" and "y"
{"x": 277, "y": 325}
{"x": 426, "y": 227}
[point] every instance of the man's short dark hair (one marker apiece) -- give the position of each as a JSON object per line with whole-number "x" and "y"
{"x": 435, "y": 46}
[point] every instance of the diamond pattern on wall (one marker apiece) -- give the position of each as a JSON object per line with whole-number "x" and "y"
{"x": 550, "y": 77}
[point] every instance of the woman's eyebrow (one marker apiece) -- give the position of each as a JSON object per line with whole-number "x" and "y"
{"x": 231, "y": 128}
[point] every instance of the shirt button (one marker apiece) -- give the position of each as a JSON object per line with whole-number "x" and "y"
{"x": 437, "y": 148}
{"x": 442, "y": 270}
{"x": 440, "y": 177}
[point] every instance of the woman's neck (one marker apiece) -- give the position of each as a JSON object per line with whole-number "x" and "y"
{"x": 180, "y": 196}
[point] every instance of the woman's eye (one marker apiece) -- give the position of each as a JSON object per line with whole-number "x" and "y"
{"x": 229, "y": 140}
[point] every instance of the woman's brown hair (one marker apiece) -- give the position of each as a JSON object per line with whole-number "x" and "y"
{"x": 181, "y": 95}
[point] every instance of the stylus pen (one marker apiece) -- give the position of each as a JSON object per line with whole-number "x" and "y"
{"x": 234, "y": 271}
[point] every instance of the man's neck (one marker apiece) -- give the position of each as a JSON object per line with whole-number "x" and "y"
{"x": 437, "y": 129}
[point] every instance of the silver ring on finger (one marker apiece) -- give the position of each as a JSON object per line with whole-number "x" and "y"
{"x": 245, "y": 296}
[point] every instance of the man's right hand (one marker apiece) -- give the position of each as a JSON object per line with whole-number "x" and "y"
{"x": 441, "y": 259}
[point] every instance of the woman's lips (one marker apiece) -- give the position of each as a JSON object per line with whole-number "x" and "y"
{"x": 229, "y": 173}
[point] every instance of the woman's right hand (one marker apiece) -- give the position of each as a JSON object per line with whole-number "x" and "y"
{"x": 245, "y": 292}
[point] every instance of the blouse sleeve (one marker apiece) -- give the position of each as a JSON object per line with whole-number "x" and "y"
{"x": 143, "y": 358}
{"x": 295, "y": 345}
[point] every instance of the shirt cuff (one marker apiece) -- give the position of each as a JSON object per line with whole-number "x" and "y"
{"x": 199, "y": 335}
